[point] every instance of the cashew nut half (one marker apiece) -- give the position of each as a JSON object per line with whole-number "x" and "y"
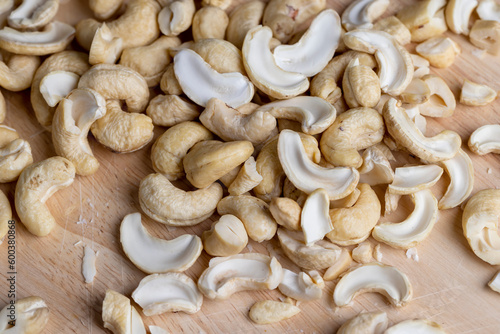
{"x": 474, "y": 94}
{"x": 458, "y": 13}
{"x": 415, "y": 326}
{"x": 315, "y": 219}
{"x": 56, "y": 85}
{"x": 176, "y": 17}
{"x": 410, "y": 179}
{"x": 461, "y": 172}
{"x": 301, "y": 286}
{"x": 306, "y": 175}
{"x": 376, "y": 277}
{"x": 443, "y": 146}
{"x": 486, "y": 35}
{"x": 17, "y": 71}
{"x": 376, "y": 168}
{"x": 363, "y": 323}
{"x": 480, "y": 225}
{"x": 32, "y": 315}
{"x": 442, "y": 102}
{"x": 33, "y": 14}
{"x": 228, "y": 275}
{"x": 156, "y": 255}
{"x": 119, "y": 316}
{"x": 314, "y": 49}
{"x": 35, "y": 186}
{"x": 167, "y": 204}
{"x": 361, "y": 13}
{"x": 270, "y": 311}
{"x": 15, "y": 154}
{"x": 171, "y": 292}
{"x": 485, "y": 139}
{"x": 226, "y": 237}
{"x": 5, "y": 214}
{"x": 440, "y": 51}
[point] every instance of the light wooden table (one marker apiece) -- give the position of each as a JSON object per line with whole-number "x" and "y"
{"x": 449, "y": 281}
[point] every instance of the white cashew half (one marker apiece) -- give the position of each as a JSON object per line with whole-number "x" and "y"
{"x": 485, "y": 139}
{"x": 33, "y": 14}
{"x": 415, "y": 326}
{"x": 494, "y": 283}
{"x": 376, "y": 277}
{"x": 415, "y": 228}
{"x": 314, "y": 49}
{"x": 56, "y": 85}
{"x": 376, "y": 168}
{"x": 458, "y": 13}
{"x": 360, "y": 14}
{"x": 488, "y": 10}
{"x": 315, "y": 217}
{"x": 461, "y": 172}
{"x": 408, "y": 180}
{"x": 171, "y": 292}
{"x": 155, "y": 255}
{"x": 474, "y": 94}
{"x": 301, "y": 286}
{"x": 262, "y": 69}
{"x": 200, "y": 82}
{"x": 365, "y": 323}
{"x": 308, "y": 176}
{"x": 228, "y": 275}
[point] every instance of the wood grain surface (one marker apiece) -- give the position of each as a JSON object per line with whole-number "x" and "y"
{"x": 449, "y": 281}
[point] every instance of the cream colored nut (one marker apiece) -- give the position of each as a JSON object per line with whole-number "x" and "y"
{"x": 226, "y": 237}
{"x": 393, "y": 26}
{"x": 33, "y": 14}
{"x": 32, "y": 315}
{"x": 222, "y": 4}
{"x": 172, "y": 146}
{"x": 72, "y": 120}
{"x": 230, "y": 124}
{"x": 230, "y": 176}
{"x": 485, "y": 140}
{"x": 415, "y": 326}
{"x": 262, "y": 69}
{"x": 17, "y": 71}
{"x": 243, "y": 18}
{"x": 439, "y": 51}
{"x": 5, "y": 214}
{"x": 324, "y": 84}
{"x": 347, "y": 201}
{"x": 150, "y": 61}
{"x": 269, "y": 311}
{"x": 410, "y": 179}
{"x": 119, "y": 316}
{"x": 480, "y": 225}
{"x": 441, "y": 102}
{"x": 156, "y": 255}
{"x": 223, "y": 56}
{"x": 7, "y": 135}
{"x": 315, "y": 48}
{"x": 474, "y": 94}
{"x": 488, "y": 10}
{"x": 340, "y": 266}
{"x": 458, "y": 14}
{"x": 301, "y": 286}
{"x": 247, "y": 178}
{"x": 68, "y": 61}
{"x": 315, "y": 219}
{"x": 360, "y": 85}
{"x": 371, "y": 322}
{"x": 417, "y": 92}
{"x": 165, "y": 203}
{"x": 168, "y": 83}
{"x": 376, "y": 168}
{"x": 54, "y": 37}
{"x": 56, "y": 85}
{"x": 169, "y": 110}
{"x": 253, "y": 212}
{"x": 286, "y": 212}
{"x": 122, "y": 131}
{"x": 363, "y": 253}
{"x": 176, "y": 16}
{"x": 15, "y": 154}
{"x": 209, "y": 22}
{"x": 228, "y": 275}
{"x": 461, "y": 173}
{"x": 284, "y": 16}
{"x": 420, "y": 13}
{"x": 171, "y": 292}
{"x": 209, "y": 160}
{"x": 353, "y": 225}
{"x": 352, "y": 130}
{"x": 104, "y": 9}
{"x": 391, "y": 202}
{"x": 415, "y": 228}
{"x": 361, "y": 14}
{"x": 85, "y": 32}
{"x": 435, "y": 27}
{"x": 35, "y": 186}
{"x": 443, "y": 146}
{"x": 318, "y": 256}
{"x": 117, "y": 82}
{"x": 376, "y": 277}
{"x": 494, "y": 283}
{"x": 421, "y": 66}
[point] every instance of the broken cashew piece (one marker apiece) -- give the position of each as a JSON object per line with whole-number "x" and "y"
{"x": 167, "y": 204}
{"x": 494, "y": 283}
{"x": 480, "y": 225}
{"x": 415, "y": 228}
{"x": 32, "y": 315}
{"x": 410, "y": 179}
{"x": 339, "y": 266}
{"x": 376, "y": 277}
{"x": 474, "y": 94}
{"x": 440, "y": 51}
{"x": 246, "y": 179}
{"x": 376, "y": 168}
{"x": 486, "y": 35}
{"x": 33, "y": 14}
{"x": 270, "y": 311}
{"x": 56, "y": 85}
{"x": 286, "y": 212}
{"x": 228, "y": 275}
{"x": 176, "y": 17}
{"x": 441, "y": 102}
{"x": 155, "y": 255}
{"x": 171, "y": 292}
{"x": 371, "y": 322}
{"x": 301, "y": 286}
{"x": 461, "y": 172}
{"x": 105, "y": 47}
{"x": 458, "y": 14}
{"x": 226, "y": 237}
{"x": 485, "y": 139}
{"x": 15, "y": 154}
{"x": 361, "y": 14}
{"x": 119, "y": 316}
{"x": 415, "y": 326}
{"x": 35, "y": 186}
{"x": 315, "y": 219}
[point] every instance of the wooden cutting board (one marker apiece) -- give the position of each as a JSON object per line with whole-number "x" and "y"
{"x": 449, "y": 281}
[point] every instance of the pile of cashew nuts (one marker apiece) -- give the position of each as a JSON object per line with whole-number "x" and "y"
{"x": 280, "y": 118}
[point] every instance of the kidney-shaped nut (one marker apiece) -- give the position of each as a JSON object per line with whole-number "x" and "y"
{"x": 156, "y": 255}
{"x": 171, "y": 292}
{"x": 353, "y": 130}
{"x": 209, "y": 22}
{"x": 361, "y": 13}
{"x": 226, "y": 237}
{"x": 53, "y": 38}
{"x": 17, "y": 71}
{"x": 474, "y": 94}
{"x": 243, "y": 18}
{"x": 485, "y": 139}
{"x": 176, "y": 17}
{"x": 286, "y": 212}
{"x": 172, "y": 146}
{"x": 33, "y": 14}
{"x": 353, "y": 225}
{"x": 361, "y": 85}
{"x": 5, "y": 214}
{"x": 15, "y": 155}
{"x": 35, "y": 186}
{"x": 458, "y": 13}
{"x": 169, "y": 110}
{"x": 376, "y": 277}
{"x": 31, "y": 316}
{"x": 253, "y": 212}
{"x": 486, "y": 35}
{"x": 363, "y": 323}
{"x": 443, "y": 146}
{"x": 104, "y": 9}
{"x": 72, "y": 120}
{"x": 270, "y": 311}
{"x": 440, "y": 51}
{"x": 167, "y": 204}
{"x": 410, "y": 179}
{"x": 461, "y": 173}
{"x": 230, "y": 124}
{"x": 223, "y": 56}
{"x": 228, "y": 275}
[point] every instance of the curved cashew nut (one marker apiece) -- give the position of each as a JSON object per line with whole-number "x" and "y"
{"x": 176, "y": 17}
{"x": 165, "y": 203}
{"x": 458, "y": 13}
{"x": 485, "y": 139}
{"x": 371, "y": 322}
{"x": 461, "y": 172}
{"x": 72, "y": 120}
{"x": 474, "y": 94}
{"x": 35, "y": 185}
{"x": 442, "y": 102}
{"x": 15, "y": 154}
{"x": 286, "y": 212}
{"x": 170, "y": 110}
{"x": 243, "y": 18}
{"x": 104, "y": 9}
{"x": 17, "y": 71}
{"x": 209, "y": 22}
{"x": 361, "y": 85}
{"x": 32, "y": 315}
{"x": 410, "y": 179}
{"x": 361, "y": 13}
{"x": 223, "y": 56}
{"x": 5, "y": 215}
{"x": 33, "y": 14}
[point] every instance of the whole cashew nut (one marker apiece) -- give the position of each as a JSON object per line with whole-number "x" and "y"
{"x": 17, "y": 71}
{"x": 209, "y": 22}
{"x": 169, "y": 110}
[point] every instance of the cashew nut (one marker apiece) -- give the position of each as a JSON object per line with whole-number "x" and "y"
{"x": 301, "y": 286}
{"x": 286, "y": 212}
{"x": 461, "y": 172}
{"x": 104, "y": 9}
{"x": 56, "y": 85}
{"x": 17, "y": 71}
{"x": 5, "y": 214}
{"x": 458, "y": 13}
{"x": 33, "y": 14}
{"x": 363, "y": 253}
{"x": 361, "y": 85}
{"x": 226, "y": 237}
{"x": 435, "y": 27}
{"x": 247, "y": 178}
{"x": 269, "y": 311}
{"x": 376, "y": 168}
{"x": 223, "y": 56}
{"x": 32, "y": 315}
{"x": 421, "y": 66}
{"x": 361, "y": 13}
{"x": 420, "y": 14}
{"x": 474, "y": 94}
{"x": 176, "y": 16}
{"x": 209, "y": 22}
{"x": 15, "y": 154}
{"x": 315, "y": 219}
{"x": 415, "y": 326}
{"x": 342, "y": 263}
{"x": 488, "y": 10}
{"x": 417, "y": 92}
{"x": 441, "y": 102}
{"x": 393, "y": 26}
{"x": 371, "y": 322}
{"x": 410, "y": 179}
{"x": 243, "y": 18}
{"x": 169, "y": 110}
{"x": 119, "y": 316}
{"x": 440, "y": 51}
{"x": 35, "y": 186}
{"x": 485, "y": 140}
